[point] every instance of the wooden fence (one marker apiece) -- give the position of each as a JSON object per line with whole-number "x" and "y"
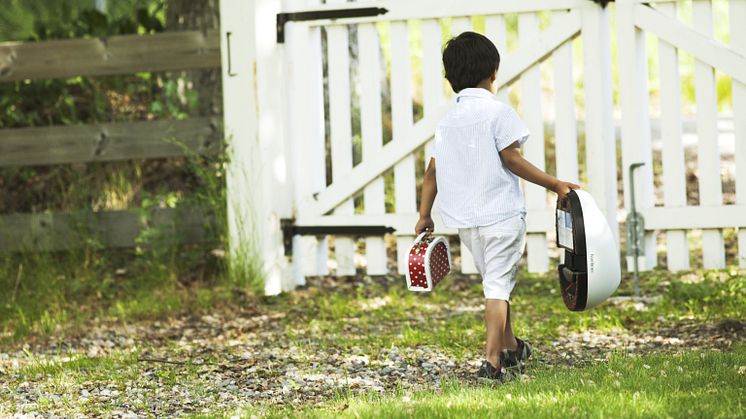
{"x": 171, "y": 51}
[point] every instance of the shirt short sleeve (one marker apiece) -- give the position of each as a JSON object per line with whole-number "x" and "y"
{"x": 509, "y": 128}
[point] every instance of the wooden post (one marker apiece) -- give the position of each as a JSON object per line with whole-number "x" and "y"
{"x": 305, "y": 133}
{"x": 633, "y": 96}
{"x": 600, "y": 141}
{"x": 255, "y": 237}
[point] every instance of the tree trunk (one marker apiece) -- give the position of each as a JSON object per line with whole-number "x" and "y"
{"x": 200, "y": 15}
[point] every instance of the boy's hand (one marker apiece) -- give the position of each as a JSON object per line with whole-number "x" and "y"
{"x": 423, "y": 224}
{"x": 562, "y": 188}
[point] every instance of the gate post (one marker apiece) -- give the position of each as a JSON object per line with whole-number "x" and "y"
{"x": 633, "y": 98}
{"x": 255, "y": 236}
{"x": 305, "y": 137}
{"x": 599, "y": 132}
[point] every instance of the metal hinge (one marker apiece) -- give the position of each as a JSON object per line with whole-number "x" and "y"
{"x": 289, "y": 229}
{"x": 283, "y": 18}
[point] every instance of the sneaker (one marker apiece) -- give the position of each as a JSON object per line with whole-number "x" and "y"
{"x": 517, "y": 359}
{"x": 488, "y": 371}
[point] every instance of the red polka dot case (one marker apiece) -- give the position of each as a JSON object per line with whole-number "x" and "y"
{"x": 429, "y": 262}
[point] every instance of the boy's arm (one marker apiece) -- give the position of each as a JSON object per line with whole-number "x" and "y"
{"x": 513, "y": 160}
{"x": 429, "y": 190}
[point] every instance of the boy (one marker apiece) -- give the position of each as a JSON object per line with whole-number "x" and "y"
{"x": 477, "y": 150}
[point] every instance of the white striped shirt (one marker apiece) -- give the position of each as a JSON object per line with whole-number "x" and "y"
{"x": 474, "y": 188}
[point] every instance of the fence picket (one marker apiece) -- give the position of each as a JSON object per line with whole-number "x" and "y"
{"x": 459, "y": 25}
{"x": 401, "y": 119}
{"x": 674, "y": 173}
{"x": 565, "y": 128}
{"x": 710, "y": 192}
{"x": 536, "y": 197}
{"x": 306, "y": 103}
{"x": 597, "y": 85}
{"x": 494, "y": 29}
{"x": 432, "y": 78}
{"x": 372, "y": 135}
{"x": 636, "y": 146}
{"x": 341, "y": 133}
{"x": 738, "y": 43}
{"x": 432, "y": 83}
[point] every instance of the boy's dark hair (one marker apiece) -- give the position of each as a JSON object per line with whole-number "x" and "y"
{"x": 468, "y": 59}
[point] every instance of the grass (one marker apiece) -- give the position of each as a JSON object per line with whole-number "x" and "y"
{"x": 53, "y": 294}
{"x": 377, "y": 317}
{"x": 697, "y": 384}
{"x": 369, "y": 316}
{"x": 694, "y": 384}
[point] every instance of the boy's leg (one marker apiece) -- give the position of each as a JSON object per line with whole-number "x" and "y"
{"x": 495, "y": 319}
{"x": 510, "y": 343}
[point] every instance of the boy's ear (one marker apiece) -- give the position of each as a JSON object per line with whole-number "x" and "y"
{"x": 493, "y": 77}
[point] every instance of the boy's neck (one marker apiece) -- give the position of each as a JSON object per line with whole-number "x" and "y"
{"x": 486, "y": 85}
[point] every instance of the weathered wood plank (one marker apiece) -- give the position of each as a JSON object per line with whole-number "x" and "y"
{"x": 109, "y": 142}
{"x": 61, "y": 231}
{"x": 104, "y": 56}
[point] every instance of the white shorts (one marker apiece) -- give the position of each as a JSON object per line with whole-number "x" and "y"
{"x": 497, "y": 250}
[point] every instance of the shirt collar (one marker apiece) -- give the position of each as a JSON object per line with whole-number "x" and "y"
{"x": 477, "y": 92}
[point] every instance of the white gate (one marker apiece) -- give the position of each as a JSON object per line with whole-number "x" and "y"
{"x": 371, "y": 126}
{"x": 541, "y": 56}
{"x": 675, "y": 36}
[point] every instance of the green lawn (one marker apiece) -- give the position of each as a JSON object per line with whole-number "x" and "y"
{"x": 679, "y": 353}
{"x": 696, "y": 384}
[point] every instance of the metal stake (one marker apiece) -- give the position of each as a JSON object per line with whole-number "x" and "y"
{"x": 633, "y": 227}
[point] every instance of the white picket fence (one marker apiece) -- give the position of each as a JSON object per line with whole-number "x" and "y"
{"x": 290, "y": 176}
{"x": 676, "y": 218}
